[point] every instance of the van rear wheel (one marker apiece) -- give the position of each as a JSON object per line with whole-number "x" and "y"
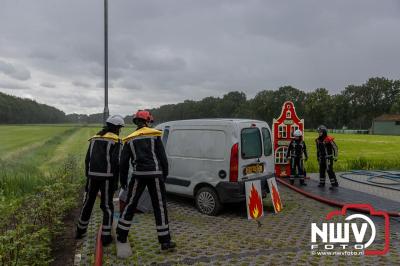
{"x": 207, "y": 201}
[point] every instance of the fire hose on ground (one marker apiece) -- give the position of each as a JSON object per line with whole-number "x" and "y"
{"x": 325, "y": 200}
{"x": 372, "y": 177}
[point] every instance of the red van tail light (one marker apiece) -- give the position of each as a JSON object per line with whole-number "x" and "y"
{"x": 234, "y": 164}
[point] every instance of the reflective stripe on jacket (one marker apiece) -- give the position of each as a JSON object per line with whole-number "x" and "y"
{"x": 143, "y": 149}
{"x": 102, "y": 157}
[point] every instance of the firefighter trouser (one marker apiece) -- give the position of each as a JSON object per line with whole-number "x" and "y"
{"x": 296, "y": 169}
{"x": 156, "y": 188}
{"x": 326, "y": 165}
{"x": 107, "y": 191}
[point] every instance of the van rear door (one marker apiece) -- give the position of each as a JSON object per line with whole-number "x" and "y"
{"x": 252, "y": 162}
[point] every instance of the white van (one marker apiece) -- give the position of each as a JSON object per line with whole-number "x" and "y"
{"x": 210, "y": 159}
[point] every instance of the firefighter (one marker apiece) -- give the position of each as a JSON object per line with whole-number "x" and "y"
{"x": 296, "y": 149}
{"x": 102, "y": 171}
{"x": 144, "y": 150}
{"x": 327, "y": 153}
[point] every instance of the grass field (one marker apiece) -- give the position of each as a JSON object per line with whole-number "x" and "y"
{"x": 14, "y": 138}
{"x": 34, "y": 155}
{"x": 359, "y": 152}
{"x": 31, "y": 155}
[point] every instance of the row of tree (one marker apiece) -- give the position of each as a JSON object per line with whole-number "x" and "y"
{"x": 85, "y": 119}
{"x": 354, "y": 107}
{"x": 15, "y": 110}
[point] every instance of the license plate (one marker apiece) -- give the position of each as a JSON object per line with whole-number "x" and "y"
{"x": 254, "y": 169}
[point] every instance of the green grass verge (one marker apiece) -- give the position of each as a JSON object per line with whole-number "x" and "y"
{"x": 38, "y": 186}
{"x": 32, "y": 223}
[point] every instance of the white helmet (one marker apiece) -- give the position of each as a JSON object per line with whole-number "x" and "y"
{"x": 298, "y": 133}
{"x": 116, "y": 120}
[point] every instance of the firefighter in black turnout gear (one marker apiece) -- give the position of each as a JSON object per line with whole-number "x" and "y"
{"x": 144, "y": 151}
{"x": 102, "y": 171}
{"x": 296, "y": 149}
{"x": 327, "y": 153}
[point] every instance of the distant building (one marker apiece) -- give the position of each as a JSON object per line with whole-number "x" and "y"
{"x": 386, "y": 125}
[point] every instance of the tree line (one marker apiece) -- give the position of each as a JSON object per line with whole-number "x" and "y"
{"x": 15, "y": 110}
{"x": 354, "y": 107}
{"x": 85, "y": 119}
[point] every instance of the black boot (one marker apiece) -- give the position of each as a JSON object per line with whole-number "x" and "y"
{"x": 120, "y": 236}
{"x": 334, "y": 185}
{"x": 106, "y": 240}
{"x": 302, "y": 183}
{"x": 168, "y": 246}
{"x": 80, "y": 233}
{"x": 121, "y": 239}
{"x": 291, "y": 181}
{"x": 321, "y": 185}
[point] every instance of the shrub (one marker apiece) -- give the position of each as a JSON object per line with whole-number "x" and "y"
{"x": 33, "y": 222}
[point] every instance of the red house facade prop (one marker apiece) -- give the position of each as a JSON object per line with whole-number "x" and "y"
{"x": 283, "y": 129}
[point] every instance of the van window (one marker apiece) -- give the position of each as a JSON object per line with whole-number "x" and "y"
{"x": 267, "y": 141}
{"x": 195, "y": 143}
{"x": 251, "y": 143}
{"x": 165, "y": 136}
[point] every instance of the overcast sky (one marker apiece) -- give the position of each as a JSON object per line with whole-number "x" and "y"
{"x": 167, "y": 51}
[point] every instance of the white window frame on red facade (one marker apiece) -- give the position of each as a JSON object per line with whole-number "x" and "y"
{"x": 282, "y": 150}
{"x": 293, "y": 128}
{"x": 282, "y": 131}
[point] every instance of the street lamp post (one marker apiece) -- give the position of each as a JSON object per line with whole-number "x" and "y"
{"x": 106, "y": 111}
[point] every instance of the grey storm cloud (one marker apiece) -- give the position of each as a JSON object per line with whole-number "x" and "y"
{"x": 15, "y": 71}
{"x": 156, "y": 60}
{"x": 12, "y": 86}
{"x": 130, "y": 84}
{"x": 43, "y": 55}
{"x": 164, "y": 52}
{"x": 48, "y": 85}
{"x": 81, "y": 84}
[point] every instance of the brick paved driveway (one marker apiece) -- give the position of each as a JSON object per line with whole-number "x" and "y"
{"x": 230, "y": 239}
